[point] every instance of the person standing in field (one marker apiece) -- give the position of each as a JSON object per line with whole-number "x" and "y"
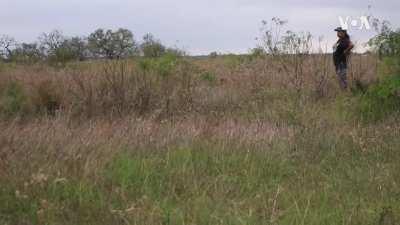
{"x": 341, "y": 52}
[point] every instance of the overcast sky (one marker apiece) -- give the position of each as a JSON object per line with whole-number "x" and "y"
{"x": 199, "y": 26}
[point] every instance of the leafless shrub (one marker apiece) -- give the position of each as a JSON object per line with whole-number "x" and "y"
{"x": 121, "y": 87}
{"x": 7, "y": 44}
{"x": 289, "y": 49}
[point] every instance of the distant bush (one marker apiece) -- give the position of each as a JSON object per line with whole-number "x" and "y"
{"x": 162, "y": 66}
{"x": 213, "y": 55}
{"x": 61, "y": 56}
{"x": 26, "y": 54}
{"x": 166, "y": 64}
{"x": 152, "y": 47}
{"x": 257, "y": 52}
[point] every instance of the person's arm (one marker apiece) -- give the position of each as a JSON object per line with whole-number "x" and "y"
{"x": 348, "y": 49}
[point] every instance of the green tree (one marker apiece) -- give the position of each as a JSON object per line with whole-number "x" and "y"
{"x": 112, "y": 44}
{"x": 76, "y": 47}
{"x": 387, "y": 41}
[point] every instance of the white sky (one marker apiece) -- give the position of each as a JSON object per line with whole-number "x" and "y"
{"x": 198, "y": 26}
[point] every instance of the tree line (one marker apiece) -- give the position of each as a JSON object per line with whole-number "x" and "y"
{"x": 55, "y": 47}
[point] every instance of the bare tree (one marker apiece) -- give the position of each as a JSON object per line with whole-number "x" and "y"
{"x": 50, "y": 42}
{"x": 59, "y": 49}
{"x": 7, "y": 44}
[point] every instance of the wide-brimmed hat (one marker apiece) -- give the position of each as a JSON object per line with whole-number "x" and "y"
{"x": 340, "y": 29}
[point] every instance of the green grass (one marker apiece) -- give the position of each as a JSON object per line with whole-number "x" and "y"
{"x": 205, "y": 185}
{"x": 13, "y": 100}
{"x": 382, "y": 99}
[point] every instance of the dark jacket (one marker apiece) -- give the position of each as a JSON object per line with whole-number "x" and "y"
{"x": 339, "y": 55}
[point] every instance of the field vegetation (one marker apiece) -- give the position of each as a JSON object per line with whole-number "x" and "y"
{"x": 144, "y": 134}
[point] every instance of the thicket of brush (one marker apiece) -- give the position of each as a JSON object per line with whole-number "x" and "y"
{"x": 262, "y": 139}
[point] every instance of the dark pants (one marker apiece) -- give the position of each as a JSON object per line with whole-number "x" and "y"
{"x": 341, "y": 72}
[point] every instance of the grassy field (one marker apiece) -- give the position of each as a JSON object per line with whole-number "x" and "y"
{"x": 223, "y": 140}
